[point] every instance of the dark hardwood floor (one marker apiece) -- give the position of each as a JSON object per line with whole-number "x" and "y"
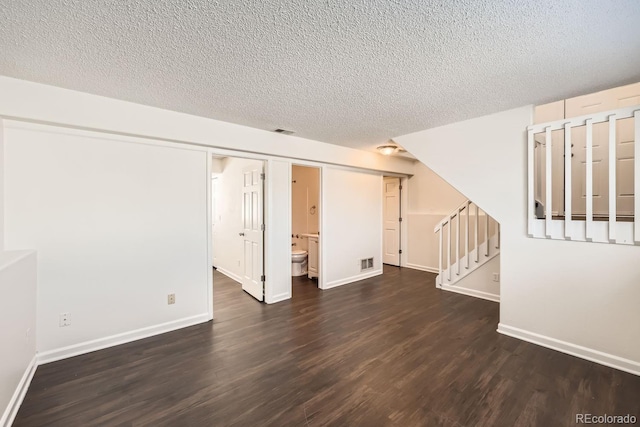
{"x": 387, "y": 351}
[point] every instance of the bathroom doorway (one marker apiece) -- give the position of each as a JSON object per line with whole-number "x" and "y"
{"x": 237, "y": 222}
{"x": 305, "y": 227}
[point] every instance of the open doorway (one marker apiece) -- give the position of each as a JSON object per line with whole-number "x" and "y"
{"x": 237, "y": 222}
{"x": 305, "y": 227}
{"x": 391, "y": 221}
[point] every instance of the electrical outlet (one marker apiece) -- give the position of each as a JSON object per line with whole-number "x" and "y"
{"x": 496, "y": 277}
{"x": 65, "y": 320}
{"x": 27, "y": 335}
{"x": 171, "y": 299}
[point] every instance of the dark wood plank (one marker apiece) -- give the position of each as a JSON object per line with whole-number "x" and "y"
{"x": 387, "y": 351}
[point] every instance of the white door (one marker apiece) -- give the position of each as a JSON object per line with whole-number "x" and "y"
{"x": 252, "y": 231}
{"x": 580, "y": 106}
{"x": 391, "y": 221}
{"x": 602, "y": 101}
{"x": 625, "y": 96}
{"x": 214, "y": 214}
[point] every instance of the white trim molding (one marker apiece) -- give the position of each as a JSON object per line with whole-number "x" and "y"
{"x": 592, "y": 355}
{"x": 421, "y": 267}
{"x": 277, "y": 298}
{"x": 352, "y": 279}
{"x": 123, "y": 338}
{"x": 470, "y": 292}
{"x": 230, "y": 275}
{"x": 18, "y": 396}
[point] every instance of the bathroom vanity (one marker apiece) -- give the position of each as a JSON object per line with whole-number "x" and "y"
{"x": 312, "y": 249}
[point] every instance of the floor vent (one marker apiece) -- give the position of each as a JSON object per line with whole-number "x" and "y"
{"x": 366, "y": 264}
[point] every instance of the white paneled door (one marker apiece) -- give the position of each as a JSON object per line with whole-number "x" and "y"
{"x": 391, "y": 221}
{"x": 252, "y": 231}
{"x": 612, "y": 99}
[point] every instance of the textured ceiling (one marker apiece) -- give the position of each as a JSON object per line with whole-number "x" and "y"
{"x": 351, "y": 72}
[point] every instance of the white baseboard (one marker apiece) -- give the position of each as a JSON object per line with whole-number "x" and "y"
{"x": 229, "y": 274}
{"x": 352, "y": 279}
{"x": 421, "y": 267}
{"x": 592, "y": 355}
{"x": 18, "y": 395}
{"x": 280, "y": 297}
{"x": 113, "y": 340}
{"x": 470, "y": 292}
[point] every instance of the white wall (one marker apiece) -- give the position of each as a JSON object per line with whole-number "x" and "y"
{"x": 117, "y": 226}
{"x": 17, "y": 329}
{"x": 43, "y": 103}
{"x": 577, "y": 297}
{"x": 2, "y": 187}
{"x": 305, "y": 193}
{"x": 227, "y": 243}
{"x": 352, "y": 225}
{"x": 479, "y": 283}
{"x": 278, "y": 231}
{"x": 430, "y": 199}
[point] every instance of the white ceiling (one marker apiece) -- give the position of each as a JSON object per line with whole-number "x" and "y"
{"x": 351, "y": 72}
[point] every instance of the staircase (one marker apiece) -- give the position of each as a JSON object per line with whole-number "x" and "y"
{"x": 468, "y": 238}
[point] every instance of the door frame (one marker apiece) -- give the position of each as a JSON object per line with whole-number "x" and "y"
{"x": 401, "y": 219}
{"x": 320, "y": 168}
{"x": 209, "y": 199}
{"x": 259, "y": 233}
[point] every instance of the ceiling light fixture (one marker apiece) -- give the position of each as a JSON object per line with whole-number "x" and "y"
{"x": 388, "y": 149}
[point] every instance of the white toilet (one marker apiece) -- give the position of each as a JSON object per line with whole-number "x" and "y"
{"x": 298, "y": 263}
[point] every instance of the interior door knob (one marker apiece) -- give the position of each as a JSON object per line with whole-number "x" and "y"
{"x": 242, "y": 234}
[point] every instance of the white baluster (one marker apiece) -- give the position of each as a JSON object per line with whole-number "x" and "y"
{"x": 589, "y": 182}
{"x": 613, "y": 211}
{"x": 457, "y": 257}
{"x": 548, "y": 186}
{"x": 449, "y": 250}
{"x": 476, "y": 233}
{"x": 530, "y": 192}
{"x": 567, "y": 180}
{"x": 486, "y": 233}
{"x": 636, "y": 179}
{"x": 441, "y": 249}
{"x": 466, "y": 235}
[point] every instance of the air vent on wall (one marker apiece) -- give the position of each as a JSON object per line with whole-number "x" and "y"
{"x": 366, "y": 264}
{"x": 284, "y": 131}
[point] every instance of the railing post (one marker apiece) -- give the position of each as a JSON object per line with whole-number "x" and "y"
{"x": 530, "y": 192}
{"x": 548, "y": 187}
{"x": 589, "y": 182}
{"x": 613, "y": 211}
{"x": 567, "y": 181}
{"x": 636, "y": 179}
{"x": 457, "y": 257}
{"x": 466, "y": 235}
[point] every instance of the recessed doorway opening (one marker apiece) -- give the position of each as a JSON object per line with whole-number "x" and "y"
{"x": 305, "y": 226}
{"x": 237, "y": 221}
